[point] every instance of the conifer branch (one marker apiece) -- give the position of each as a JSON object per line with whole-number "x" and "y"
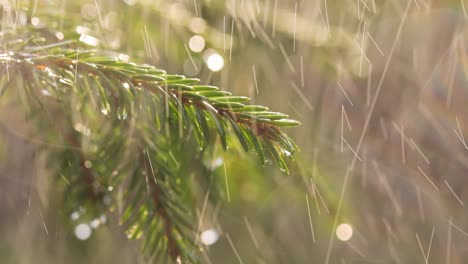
{"x": 250, "y": 123}
{"x": 125, "y": 124}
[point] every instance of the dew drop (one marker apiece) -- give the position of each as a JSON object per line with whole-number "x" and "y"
{"x": 104, "y": 111}
{"x": 133, "y": 232}
{"x": 122, "y": 114}
{"x": 123, "y": 57}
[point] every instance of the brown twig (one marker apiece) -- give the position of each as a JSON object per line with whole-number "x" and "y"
{"x": 156, "y": 195}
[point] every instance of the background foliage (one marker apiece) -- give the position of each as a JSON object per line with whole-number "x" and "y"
{"x": 394, "y": 69}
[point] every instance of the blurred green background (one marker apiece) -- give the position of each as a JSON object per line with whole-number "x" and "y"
{"x": 380, "y": 87}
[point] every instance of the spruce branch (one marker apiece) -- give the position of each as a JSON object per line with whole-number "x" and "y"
{"x": 129, "y": 126}
{"x": 185, "y": 97}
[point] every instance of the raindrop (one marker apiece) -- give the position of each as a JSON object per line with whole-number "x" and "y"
{"x": 88, "y": 164}
{"x": 75, "y": 215}
{"x": 95, "y": 223}
{"x": 90, "y": 40}
{"x": 217, "y": 162}
{"x": 197, "y": 25}
{"x": 45, "y": 92}
{"x": 123, "y": 57}
{"x": 103, "y": 219}
{"x": 344, "y": 232}
{"x": 197, "y": 43}
{"x": 59, "y": 35}
{"x": 35, "y": 21}
{"x": 82, "y": 30}
{"x": 209, "y": 237}
{"x": 83, "y": 231}
{"x": 130, "y": 2}
{"x": 215, "y": 62}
